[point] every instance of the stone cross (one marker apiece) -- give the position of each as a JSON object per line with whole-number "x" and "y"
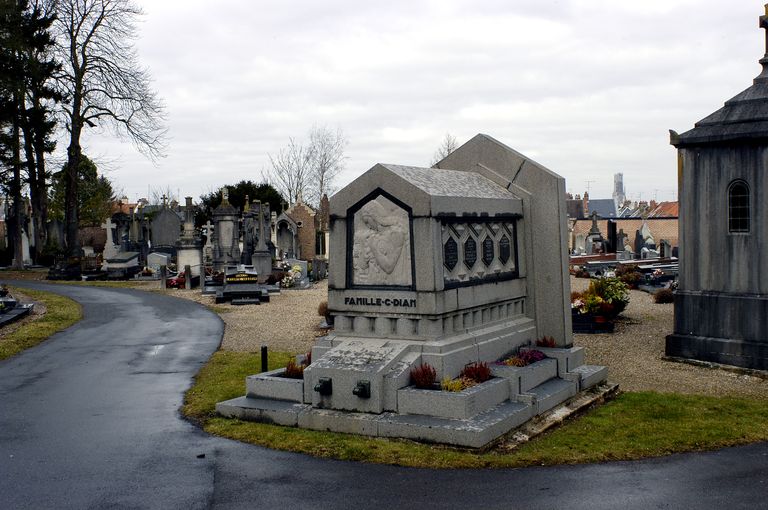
{"x": 109, "y": 247}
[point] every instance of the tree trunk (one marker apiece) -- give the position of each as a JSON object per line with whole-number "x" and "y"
{"x": 74, "y": 153}
{"x": 18, "y": 254}
{"x": 39, "y": 189}
{"x": 34, "y": 192}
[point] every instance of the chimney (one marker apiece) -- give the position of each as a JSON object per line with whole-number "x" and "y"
{"x": 586, "y": 203}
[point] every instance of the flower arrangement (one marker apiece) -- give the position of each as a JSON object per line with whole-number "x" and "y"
{"x": 605, "y": 296}
{"x": 288, "y": 281}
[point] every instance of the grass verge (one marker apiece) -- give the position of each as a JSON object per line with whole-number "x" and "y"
{"x": 61, "y": 313}
{"x": 633, "y": 426}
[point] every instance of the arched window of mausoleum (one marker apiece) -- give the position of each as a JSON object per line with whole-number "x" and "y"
{"x": 738, "y": 207}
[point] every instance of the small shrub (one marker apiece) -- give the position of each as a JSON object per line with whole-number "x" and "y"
{"x": 576, "y": 295}
{"x": 546, "y": 341}
{"x": 293, "y": 371}
{"x": 423, "y": 376}
{"x": 456, "y": 385}
{"x": 515, "y": 361}
{"x": 664, "y": 296}
{"x": 477, "y": 371}
{"x": 322, "y": 309}
{"x": 532, "y": 356}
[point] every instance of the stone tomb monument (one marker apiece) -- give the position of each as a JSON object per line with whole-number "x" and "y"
{"x": 437, "y": 266}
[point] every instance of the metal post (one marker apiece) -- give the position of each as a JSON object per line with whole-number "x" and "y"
{"x": 163, "y": 276}
{"x": 188, "y": 277}
{"x": 264, "y": 359}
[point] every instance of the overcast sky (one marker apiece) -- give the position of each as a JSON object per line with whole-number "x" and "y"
{"x": 587, "y": 88}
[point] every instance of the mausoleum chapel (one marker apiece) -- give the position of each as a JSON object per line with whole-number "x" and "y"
{"x": 721, "y": 309}
{"x": 438, "y": 266}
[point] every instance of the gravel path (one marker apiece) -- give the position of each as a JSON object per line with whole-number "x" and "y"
{"x": 288, "y": 323}
{"x": 633, "y": 355}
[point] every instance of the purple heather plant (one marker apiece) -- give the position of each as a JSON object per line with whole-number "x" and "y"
{"x": 532, "y": 356}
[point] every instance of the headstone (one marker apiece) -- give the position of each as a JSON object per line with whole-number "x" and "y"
{"x": 208, "y": 247}
{"x": 166, "y": 229}
{"x": 189, "y": 248}
{"x": 226, "y": 245}
{"x": 621, "y": 240}
{"x": 300, "y": 269}
{"x": 110, "y": 250}
{"x": 156, "y": 260}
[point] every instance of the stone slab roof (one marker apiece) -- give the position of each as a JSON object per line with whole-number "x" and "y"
{"x": 450, "y": 183}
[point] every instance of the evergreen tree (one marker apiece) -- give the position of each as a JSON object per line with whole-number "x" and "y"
{"x": 95, "y": 195}
{"x": 237, "y": 193}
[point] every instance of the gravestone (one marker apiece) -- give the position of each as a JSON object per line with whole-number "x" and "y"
{"x": 226, "y": 230}
{"x": 208, "y": 246}
{"x": 110, "y": 250}
{"x": 302, "y": 269}
{"x": 437, "y": 266}
{"x": 166, "y": 230}
{"x": 156, "y": 260}
{"x": 189, "y": 248}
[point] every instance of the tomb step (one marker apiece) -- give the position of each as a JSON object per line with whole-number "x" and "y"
{"x": 475, "y": 432}
{"x": 591, "y": 375}
{"x": 246, "y": 301}
{"x": 551, "y": 393}
{"x": 280, "y": 412}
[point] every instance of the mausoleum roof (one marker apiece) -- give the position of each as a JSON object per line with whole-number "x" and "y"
{"x": 439, "y": 182}
{"x": 744, "y": 117}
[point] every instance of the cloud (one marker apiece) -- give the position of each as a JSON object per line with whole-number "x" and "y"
{"x": 587, "y": 88}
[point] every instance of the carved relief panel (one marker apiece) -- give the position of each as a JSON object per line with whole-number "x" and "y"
{"x": 381, "y": 245}
{"x": 486, "y": 251}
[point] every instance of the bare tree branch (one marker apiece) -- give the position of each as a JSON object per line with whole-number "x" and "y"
{"x": 447, "y": 146}
{"x": 309, "y": 170}
{"x": 102, "y": 81}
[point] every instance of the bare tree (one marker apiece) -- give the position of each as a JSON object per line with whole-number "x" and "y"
{"x": 447, "y": 146}
{"x": 308, "y": 170}
{"x": 291, "y": 169}
{"x": 103, "y": 83}
{"x": 327, "y": 155}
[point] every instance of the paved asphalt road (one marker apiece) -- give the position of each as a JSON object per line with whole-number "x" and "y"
{"x": 89, "y": 419}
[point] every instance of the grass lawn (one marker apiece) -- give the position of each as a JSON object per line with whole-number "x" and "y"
{"x": 634, "y": 425}
{"x": 61, "y": 313}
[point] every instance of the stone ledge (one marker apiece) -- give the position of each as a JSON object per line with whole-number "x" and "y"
{"x": 271, "y": 386}
{"x": 527, "y": 377}
{"x": 279, "y": 412}
{"x": 460, "y": 405}
{"x": 553, "y": 392}
{"x": 590, "y": 375}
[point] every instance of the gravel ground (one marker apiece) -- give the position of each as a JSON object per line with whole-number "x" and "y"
{"x": 633, "y": 355}
{"x": 288, "y": 323}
